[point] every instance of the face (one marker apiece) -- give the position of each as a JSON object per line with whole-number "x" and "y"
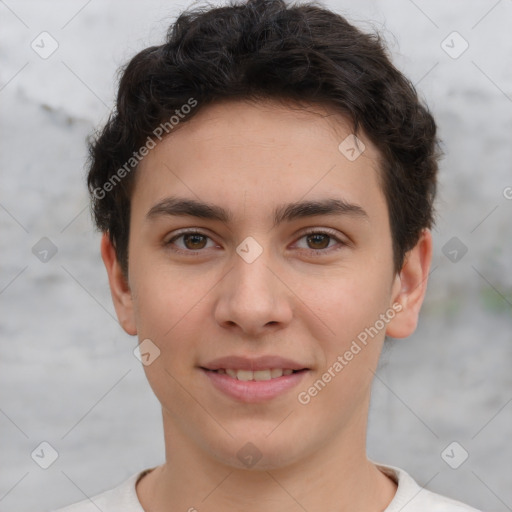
{"x": 257, "y": 246}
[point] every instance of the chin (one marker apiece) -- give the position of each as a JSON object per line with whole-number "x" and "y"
{"x": 260, "y": 452}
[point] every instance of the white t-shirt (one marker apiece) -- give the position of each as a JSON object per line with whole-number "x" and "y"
{"x": 409, "y": 497}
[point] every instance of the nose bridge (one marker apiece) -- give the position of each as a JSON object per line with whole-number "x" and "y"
{"x": 253, "y": 275}
{"x": 252, "y": 281}
{"x": 252, "y": 296}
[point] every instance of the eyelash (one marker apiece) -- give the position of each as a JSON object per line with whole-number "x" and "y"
{"x": 312, "y": 231}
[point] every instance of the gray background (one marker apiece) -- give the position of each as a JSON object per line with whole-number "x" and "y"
{"x": 68, "y": 374}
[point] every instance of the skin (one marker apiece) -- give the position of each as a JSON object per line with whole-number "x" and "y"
{"x": 250, "y": 157}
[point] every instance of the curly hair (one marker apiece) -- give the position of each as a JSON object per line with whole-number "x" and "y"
{"x": 267, "y": 49}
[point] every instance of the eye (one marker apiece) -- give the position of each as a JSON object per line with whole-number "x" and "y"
{"x": 193, "y": 241}
{"x": 320, "y": 240}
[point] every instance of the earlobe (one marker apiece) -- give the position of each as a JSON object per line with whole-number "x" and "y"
{"x": 410, "y": 286}
{"x": 119, "y": 288}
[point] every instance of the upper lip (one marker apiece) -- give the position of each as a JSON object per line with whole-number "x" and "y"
{"x": 254, "y": 364}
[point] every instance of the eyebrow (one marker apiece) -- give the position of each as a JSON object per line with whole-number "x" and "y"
{"x": 176, "y": 206}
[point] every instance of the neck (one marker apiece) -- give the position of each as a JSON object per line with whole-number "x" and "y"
{"x": 192, "y": 480}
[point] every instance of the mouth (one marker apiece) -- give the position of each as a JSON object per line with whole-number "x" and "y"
{"x": 253, "y": 379}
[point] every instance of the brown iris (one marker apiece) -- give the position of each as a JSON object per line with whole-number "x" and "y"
{"x": 194, "y": 238}
{"x": 317, "y": 239}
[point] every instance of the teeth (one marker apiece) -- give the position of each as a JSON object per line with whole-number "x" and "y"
{"x": 245, "y": 375}
{"x": 262, "y": 375}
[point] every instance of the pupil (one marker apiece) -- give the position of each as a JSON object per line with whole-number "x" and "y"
{"x": 316, "y": 238}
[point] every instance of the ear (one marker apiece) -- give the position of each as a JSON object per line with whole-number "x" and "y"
{"x": 409, "y": 287}
{"x": 119, "y": 288}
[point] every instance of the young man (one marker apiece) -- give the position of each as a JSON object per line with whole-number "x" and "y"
{"x": 265, "y": 191}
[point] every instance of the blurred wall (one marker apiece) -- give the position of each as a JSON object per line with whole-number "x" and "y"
{"x": 68, "y": 375}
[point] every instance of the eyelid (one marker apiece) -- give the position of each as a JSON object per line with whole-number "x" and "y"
{"x": 186, "y": 231}
{"x": 327, "y": 231}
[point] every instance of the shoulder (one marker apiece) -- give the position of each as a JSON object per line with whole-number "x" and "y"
{"x": 410, "y": 497}
{"x": 122, "y": 498}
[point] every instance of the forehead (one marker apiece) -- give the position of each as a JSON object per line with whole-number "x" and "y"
{"x": 250, "y": 154}
{"x": 265, "y": 121}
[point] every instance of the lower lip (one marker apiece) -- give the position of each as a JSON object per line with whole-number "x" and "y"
{"x": 253, "y": 391}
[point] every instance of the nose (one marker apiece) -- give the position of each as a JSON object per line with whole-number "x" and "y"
{"x": 253, "y": 298}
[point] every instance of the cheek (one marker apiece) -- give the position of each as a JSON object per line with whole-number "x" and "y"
{"x": 351, "y": 348}
{"x": 347, "y": 303}
{"x": 164, "y": 297}
{"x": 168, "y": 313}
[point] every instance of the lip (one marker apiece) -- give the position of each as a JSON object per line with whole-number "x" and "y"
{"x": 253, "y": 391}
{"x": 254, "y": 364}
